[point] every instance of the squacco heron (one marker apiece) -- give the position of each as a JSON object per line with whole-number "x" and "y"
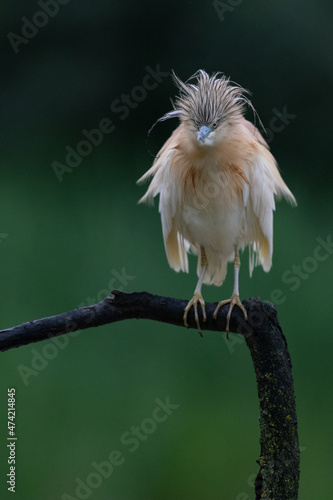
{"x": 217, "y": 182}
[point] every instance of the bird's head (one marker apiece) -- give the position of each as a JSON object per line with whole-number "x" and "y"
{"x": 208, "y": 107}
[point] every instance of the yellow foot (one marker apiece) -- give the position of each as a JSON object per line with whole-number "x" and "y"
{"x": 233, "y": 301}
{"x": 197, "y": 297}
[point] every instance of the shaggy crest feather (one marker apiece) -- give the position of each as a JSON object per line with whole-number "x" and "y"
{"x": 212, "y": 100}
{"x": 217, "y": 182}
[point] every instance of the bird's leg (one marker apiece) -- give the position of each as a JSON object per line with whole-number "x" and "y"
{"x": 197, "y": 297}
{"x": 234, "y": 299}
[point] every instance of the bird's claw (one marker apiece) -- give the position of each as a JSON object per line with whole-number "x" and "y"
{"x": 233, "y": 301}
{"x": 197, "y": 297}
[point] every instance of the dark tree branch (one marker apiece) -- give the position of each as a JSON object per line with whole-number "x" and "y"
{"x": 279, "y": 460}
{"x": 119, "y": 306}
{"x": 278, "y": 475}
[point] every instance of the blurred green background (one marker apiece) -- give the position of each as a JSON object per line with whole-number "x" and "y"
{"x": 65, "y": 244}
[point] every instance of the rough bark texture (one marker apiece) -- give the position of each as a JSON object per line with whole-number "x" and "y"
{"x": 278, "y": 475}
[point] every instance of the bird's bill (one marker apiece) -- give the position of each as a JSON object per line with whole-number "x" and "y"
{"x": 203, "y": 133}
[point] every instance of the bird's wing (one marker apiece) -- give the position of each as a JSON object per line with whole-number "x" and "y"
{"x": 176, "y": 246}
{"x": 254, "y": 132}
{"x": 266, "y": 183}
{"x": 158, "y": 167}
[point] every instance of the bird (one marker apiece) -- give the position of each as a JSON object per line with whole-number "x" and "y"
{"x": 217, "y": 183}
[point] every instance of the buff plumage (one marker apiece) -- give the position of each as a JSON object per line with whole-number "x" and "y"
{"x": 217, "y": 182}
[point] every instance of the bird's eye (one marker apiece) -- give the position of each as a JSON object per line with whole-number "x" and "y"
{"x": 214, "y": 125}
